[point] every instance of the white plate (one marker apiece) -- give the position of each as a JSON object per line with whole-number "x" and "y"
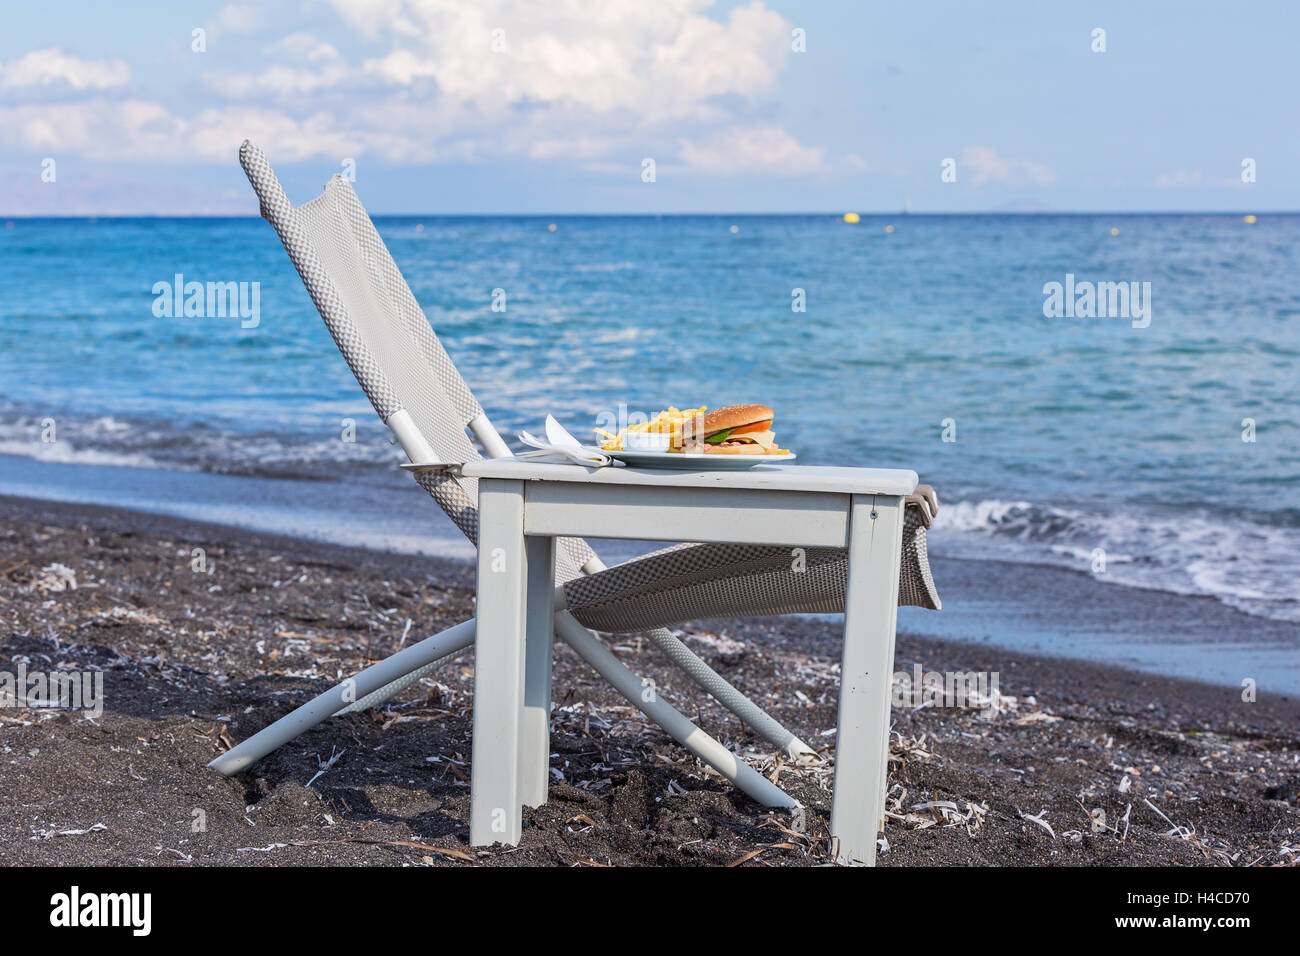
{"x": 695, "y": 462}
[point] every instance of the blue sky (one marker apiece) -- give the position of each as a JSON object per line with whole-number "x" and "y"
{"x": 558, "y": 111}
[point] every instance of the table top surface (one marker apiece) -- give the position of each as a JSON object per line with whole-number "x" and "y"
{"x": 823, "y": 478}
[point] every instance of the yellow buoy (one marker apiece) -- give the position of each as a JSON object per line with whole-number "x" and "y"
{"x": 889, "y": 229}
{"x": 1249, "y": 220}
{"x": 1114, "y": 231}
{"x": 851, "y": 217}
{"x": 551, "y": 227}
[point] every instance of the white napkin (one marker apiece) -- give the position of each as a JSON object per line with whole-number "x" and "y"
{"x": 560, "y": 446}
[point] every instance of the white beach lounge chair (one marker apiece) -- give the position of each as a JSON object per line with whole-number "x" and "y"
{"x": 387, "y": 341}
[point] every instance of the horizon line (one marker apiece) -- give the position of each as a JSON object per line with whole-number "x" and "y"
{"x": 683, "y": 215}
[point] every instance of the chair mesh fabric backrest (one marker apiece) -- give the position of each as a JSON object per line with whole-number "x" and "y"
{"x": 376, "y": 323}
{"x": 378, "y": 307}
{"x": 383, "y": 334}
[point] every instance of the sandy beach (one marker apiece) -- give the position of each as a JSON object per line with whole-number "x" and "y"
{"x": 1078, "y": 763}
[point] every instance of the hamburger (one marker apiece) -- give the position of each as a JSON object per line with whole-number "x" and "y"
{"x": 734, "y": 430}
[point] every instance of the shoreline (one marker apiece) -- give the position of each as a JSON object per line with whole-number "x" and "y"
{"x": 1030, "y": 607}
{"x": 194, "y": 662}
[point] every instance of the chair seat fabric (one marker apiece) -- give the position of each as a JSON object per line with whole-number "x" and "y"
{"x": 691, "y": 581}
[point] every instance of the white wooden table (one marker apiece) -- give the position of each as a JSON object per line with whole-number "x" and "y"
{"x": 524, "y": 505}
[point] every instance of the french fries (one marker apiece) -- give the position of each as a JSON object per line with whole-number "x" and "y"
{"x": 669, "y": 420}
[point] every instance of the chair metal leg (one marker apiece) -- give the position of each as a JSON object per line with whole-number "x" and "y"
{"x": 689, "y": 663}
{"x": 392, "y": 689}
{"x": 870, "y": 614}
{"x": 405, "y": 671}
{"x": 455, "y": 641}
{"x": 679, "y": 654}
{"x": 666, "y": 716}
{"x": 441, "y": 646}
{"x": 381, "y": 681}
{"x": 749, "y": 713}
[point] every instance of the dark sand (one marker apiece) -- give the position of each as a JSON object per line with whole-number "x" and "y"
{"x": 192, "y": 662}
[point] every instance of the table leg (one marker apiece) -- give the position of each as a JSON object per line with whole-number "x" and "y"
{"x": 496, "y": 813}
{"x": 535, "y": 755}
{"x": 866, "y": 671}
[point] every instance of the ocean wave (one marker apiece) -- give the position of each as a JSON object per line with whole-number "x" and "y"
{"x": 1246, "y": 563}
{"x": 159, "y": 445}
{"x": 66, "y": 453}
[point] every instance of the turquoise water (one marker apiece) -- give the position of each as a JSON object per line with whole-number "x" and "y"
{"x": 1072, "y": 434}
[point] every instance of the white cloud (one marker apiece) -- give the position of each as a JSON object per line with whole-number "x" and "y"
{"x": 144, "y": 130}
{"x": 322, "y": 67}
{"x": 279, "y": 81}
{"x": 983, "y": 165}
{"x": 216, "y": 134}
{"x": 236, "y": 18}
{"x": 370, "y": 17}
{"x": 738, "y": 149}
{"x": 546, "y": 80}
{"x": 584, "y": 82}
{"x": 654, "y": 61}
{"x": 52, "y": 67}
{"x": 401, "y": 67}
{"x": 109, "y": 129}
{"x": 303, "y": 46}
